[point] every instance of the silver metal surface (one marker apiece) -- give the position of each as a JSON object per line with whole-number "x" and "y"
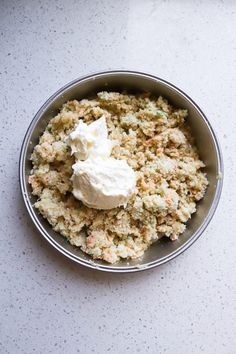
{"x": 163, "y": 250}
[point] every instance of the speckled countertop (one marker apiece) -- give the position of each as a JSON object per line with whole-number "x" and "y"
{"x": 51, "y": 305}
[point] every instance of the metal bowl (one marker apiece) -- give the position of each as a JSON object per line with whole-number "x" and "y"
{"x": 163, "y": 250}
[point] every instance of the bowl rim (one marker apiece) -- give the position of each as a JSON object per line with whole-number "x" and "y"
{"x": 91, "y": 263}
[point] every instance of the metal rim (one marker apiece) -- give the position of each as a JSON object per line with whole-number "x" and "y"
{"x": 92, "y": 264}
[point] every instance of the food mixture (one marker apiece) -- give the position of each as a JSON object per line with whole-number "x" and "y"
{"x": 153, "y": 139}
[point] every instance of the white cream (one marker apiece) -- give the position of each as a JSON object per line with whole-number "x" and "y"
{"x": 103, "y": 183}
{"x": 90, "y": 140}
{"x": 99, "y": 181}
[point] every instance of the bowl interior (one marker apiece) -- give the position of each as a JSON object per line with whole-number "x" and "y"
{"x": 131, "y": 82}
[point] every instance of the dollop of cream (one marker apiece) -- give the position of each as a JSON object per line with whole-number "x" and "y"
{"x": 103, "y": 183}
{"x": 90, "y": 140}
{"x": 99, "y": 181}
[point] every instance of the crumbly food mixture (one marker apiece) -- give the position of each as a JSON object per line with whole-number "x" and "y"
{"x": 157, "y": 143}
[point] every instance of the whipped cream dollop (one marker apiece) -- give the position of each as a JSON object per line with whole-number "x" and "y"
{"x": 99, "y": 181}
{"x": 103, "y": 183}
{"x": 90, "y": 140}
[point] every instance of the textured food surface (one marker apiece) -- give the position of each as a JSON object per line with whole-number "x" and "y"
{"x": 156, "y": 141}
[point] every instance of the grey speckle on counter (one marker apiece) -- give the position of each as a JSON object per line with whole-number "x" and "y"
{"x": 51, "y": 305}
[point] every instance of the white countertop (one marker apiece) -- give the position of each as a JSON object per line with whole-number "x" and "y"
{"x": 51, "y": 305}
